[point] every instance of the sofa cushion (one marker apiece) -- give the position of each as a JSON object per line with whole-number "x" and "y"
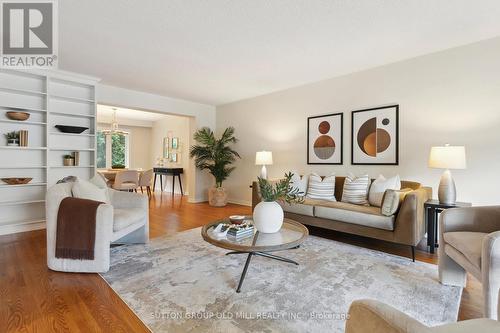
{"x": 468, "y": 243}
{"x": 349, "y": 213}
{"x": 379, "y": 186}
{"x": 321, "y": 188}
{"x": 86, "y": 190}
{"x": 299, "y": 208}
{"x": 123, "y": 217}
{"x": 356, "y": 189}
{"x": 393, "y": 200}
{"x": 299, "y": 182}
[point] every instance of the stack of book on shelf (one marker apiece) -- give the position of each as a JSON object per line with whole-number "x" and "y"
{"x": 23, "y": 138}
{"x": 240, "y": 231}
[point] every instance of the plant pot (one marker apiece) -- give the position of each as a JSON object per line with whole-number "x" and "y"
{"x": 12, "y": 142}
{"x": 268, "y": 217}
{"x": 68, "y": 162}
{"x": 217, "y": 197}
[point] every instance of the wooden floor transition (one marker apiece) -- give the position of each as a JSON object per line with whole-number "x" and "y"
{"x": 35, "y": 299}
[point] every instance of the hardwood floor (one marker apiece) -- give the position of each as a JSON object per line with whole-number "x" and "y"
{"x": 35, "y": 299}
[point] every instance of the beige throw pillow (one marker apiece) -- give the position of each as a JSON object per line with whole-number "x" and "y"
{"x": 323, "y": 189}
{"x": 355, "y": 189}
{"x": 379, "y": 186}
{"x": 392, "y": 201}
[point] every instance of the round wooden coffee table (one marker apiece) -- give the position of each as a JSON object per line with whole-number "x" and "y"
{"x": 291, "y": 235}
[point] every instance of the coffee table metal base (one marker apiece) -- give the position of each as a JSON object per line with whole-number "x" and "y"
{"x": 257, "y": 253}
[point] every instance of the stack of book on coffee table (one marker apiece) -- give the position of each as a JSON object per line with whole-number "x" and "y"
{"x": 240, "y": 231}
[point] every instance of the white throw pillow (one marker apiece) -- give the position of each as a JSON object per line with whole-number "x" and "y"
{"x": 323, "y": 189}
{"x": 379, "y": 186}
{"x": 300, "y": 183}
{"x": 99, "y": 181}
{"x": 86, "y": 190}
{"x": 355, "y": 189}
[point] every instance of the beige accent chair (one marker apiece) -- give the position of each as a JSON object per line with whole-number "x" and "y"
{"x": 145, "y": 180}
{"x": 122, "y": 220}
{"x": 470, "y": 240}
{"x": 126, "y": 180}
{"x": 376, "y": 317}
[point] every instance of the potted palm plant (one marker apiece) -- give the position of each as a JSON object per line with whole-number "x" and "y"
{"x": 216, "y": 156}
{"x": 268, "y": 214}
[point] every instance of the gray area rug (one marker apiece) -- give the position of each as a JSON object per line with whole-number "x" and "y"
{"x": 183, "y": 284}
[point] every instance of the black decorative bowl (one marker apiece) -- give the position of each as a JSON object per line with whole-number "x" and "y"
{"x": 71, "y": 129}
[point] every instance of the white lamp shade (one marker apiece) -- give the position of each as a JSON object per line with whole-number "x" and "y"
{"x": 447, "y": 157}
{"x": 263, "y": 158}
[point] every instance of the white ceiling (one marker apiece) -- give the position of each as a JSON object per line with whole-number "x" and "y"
{"x": 218, "y": 51}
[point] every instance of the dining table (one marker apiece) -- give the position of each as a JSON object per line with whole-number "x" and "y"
{"x": 110, "y": 174}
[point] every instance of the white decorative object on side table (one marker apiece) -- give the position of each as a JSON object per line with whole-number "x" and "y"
{"x": 263, "y": 158}
{"x": 447, "y": 157}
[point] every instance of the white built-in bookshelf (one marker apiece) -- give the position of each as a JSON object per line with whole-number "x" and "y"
{"x": 52, "y": 98}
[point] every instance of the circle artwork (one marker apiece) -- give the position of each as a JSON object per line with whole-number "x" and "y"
{"x": 324, "y": 147}
{"x": 373, "y": 140}
{"x": 324, "y": 127}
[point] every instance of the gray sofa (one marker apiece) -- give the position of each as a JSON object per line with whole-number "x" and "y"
{"x": 405, "y": 227}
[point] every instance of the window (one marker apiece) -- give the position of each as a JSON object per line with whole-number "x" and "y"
{"x": 101, "y": 150}
{"x": 112, "y": 150}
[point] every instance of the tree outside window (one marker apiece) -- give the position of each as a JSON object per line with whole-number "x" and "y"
{"x": 112, "y": 150}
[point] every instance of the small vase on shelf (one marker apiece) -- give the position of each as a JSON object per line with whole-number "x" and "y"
{"x": 68, "y": 160}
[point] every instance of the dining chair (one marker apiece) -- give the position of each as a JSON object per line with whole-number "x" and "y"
{"x": 126, "y": 180}
{"x": 145, "y": 180}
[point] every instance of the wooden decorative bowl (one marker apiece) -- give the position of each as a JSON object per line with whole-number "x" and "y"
{"x": 20, "y": 116}
{"x": 16, "y": 181}
{"x": 237, "y": 219}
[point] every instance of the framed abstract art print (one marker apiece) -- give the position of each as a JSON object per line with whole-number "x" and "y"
{"x": 375, "y": 136}
{"x": 324, "y": 139}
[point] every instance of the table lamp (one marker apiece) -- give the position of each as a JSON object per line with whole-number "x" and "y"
{"x": 447, "y": 157}
{"x": 263, "y": 158}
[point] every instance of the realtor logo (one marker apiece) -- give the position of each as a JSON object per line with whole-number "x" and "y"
{"x": 29, "y": 34}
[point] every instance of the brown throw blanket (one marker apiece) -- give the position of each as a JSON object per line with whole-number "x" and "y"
{"x": 76, "y": 222}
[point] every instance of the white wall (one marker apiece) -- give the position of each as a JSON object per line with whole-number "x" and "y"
{"x": 200, "y": 115}
{"x": 179, "y": 126}
{"x": 447, "y": 97}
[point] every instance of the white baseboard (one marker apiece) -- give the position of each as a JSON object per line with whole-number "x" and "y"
{"x": 241, "y": 202}
{"x": 198, "y": 200}
{"x": 21, "y": 227}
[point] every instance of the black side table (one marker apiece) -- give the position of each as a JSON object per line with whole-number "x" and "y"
{"x": 160, "y": 171}
{"x": 432, "y": 208}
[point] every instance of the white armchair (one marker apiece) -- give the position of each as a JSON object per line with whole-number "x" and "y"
{"x": 124, "y": 220}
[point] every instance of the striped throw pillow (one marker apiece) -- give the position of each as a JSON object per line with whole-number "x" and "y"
{"x": 323, "y": 189}
{"x": 356, "y": 189}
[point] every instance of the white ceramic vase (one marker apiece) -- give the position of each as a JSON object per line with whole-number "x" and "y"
{"x": 268, "y": 217}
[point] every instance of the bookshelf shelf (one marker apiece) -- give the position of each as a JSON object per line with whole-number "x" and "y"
{"x": 22, "y": 185}
{"x": 23, "y": 91}
{"x": 73, "y": 99}
{"x": 73, "y": 115}
{"x": 17, "y": 122}
{"x": 53, "y": 97}
{"x": 73, "y": 134}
